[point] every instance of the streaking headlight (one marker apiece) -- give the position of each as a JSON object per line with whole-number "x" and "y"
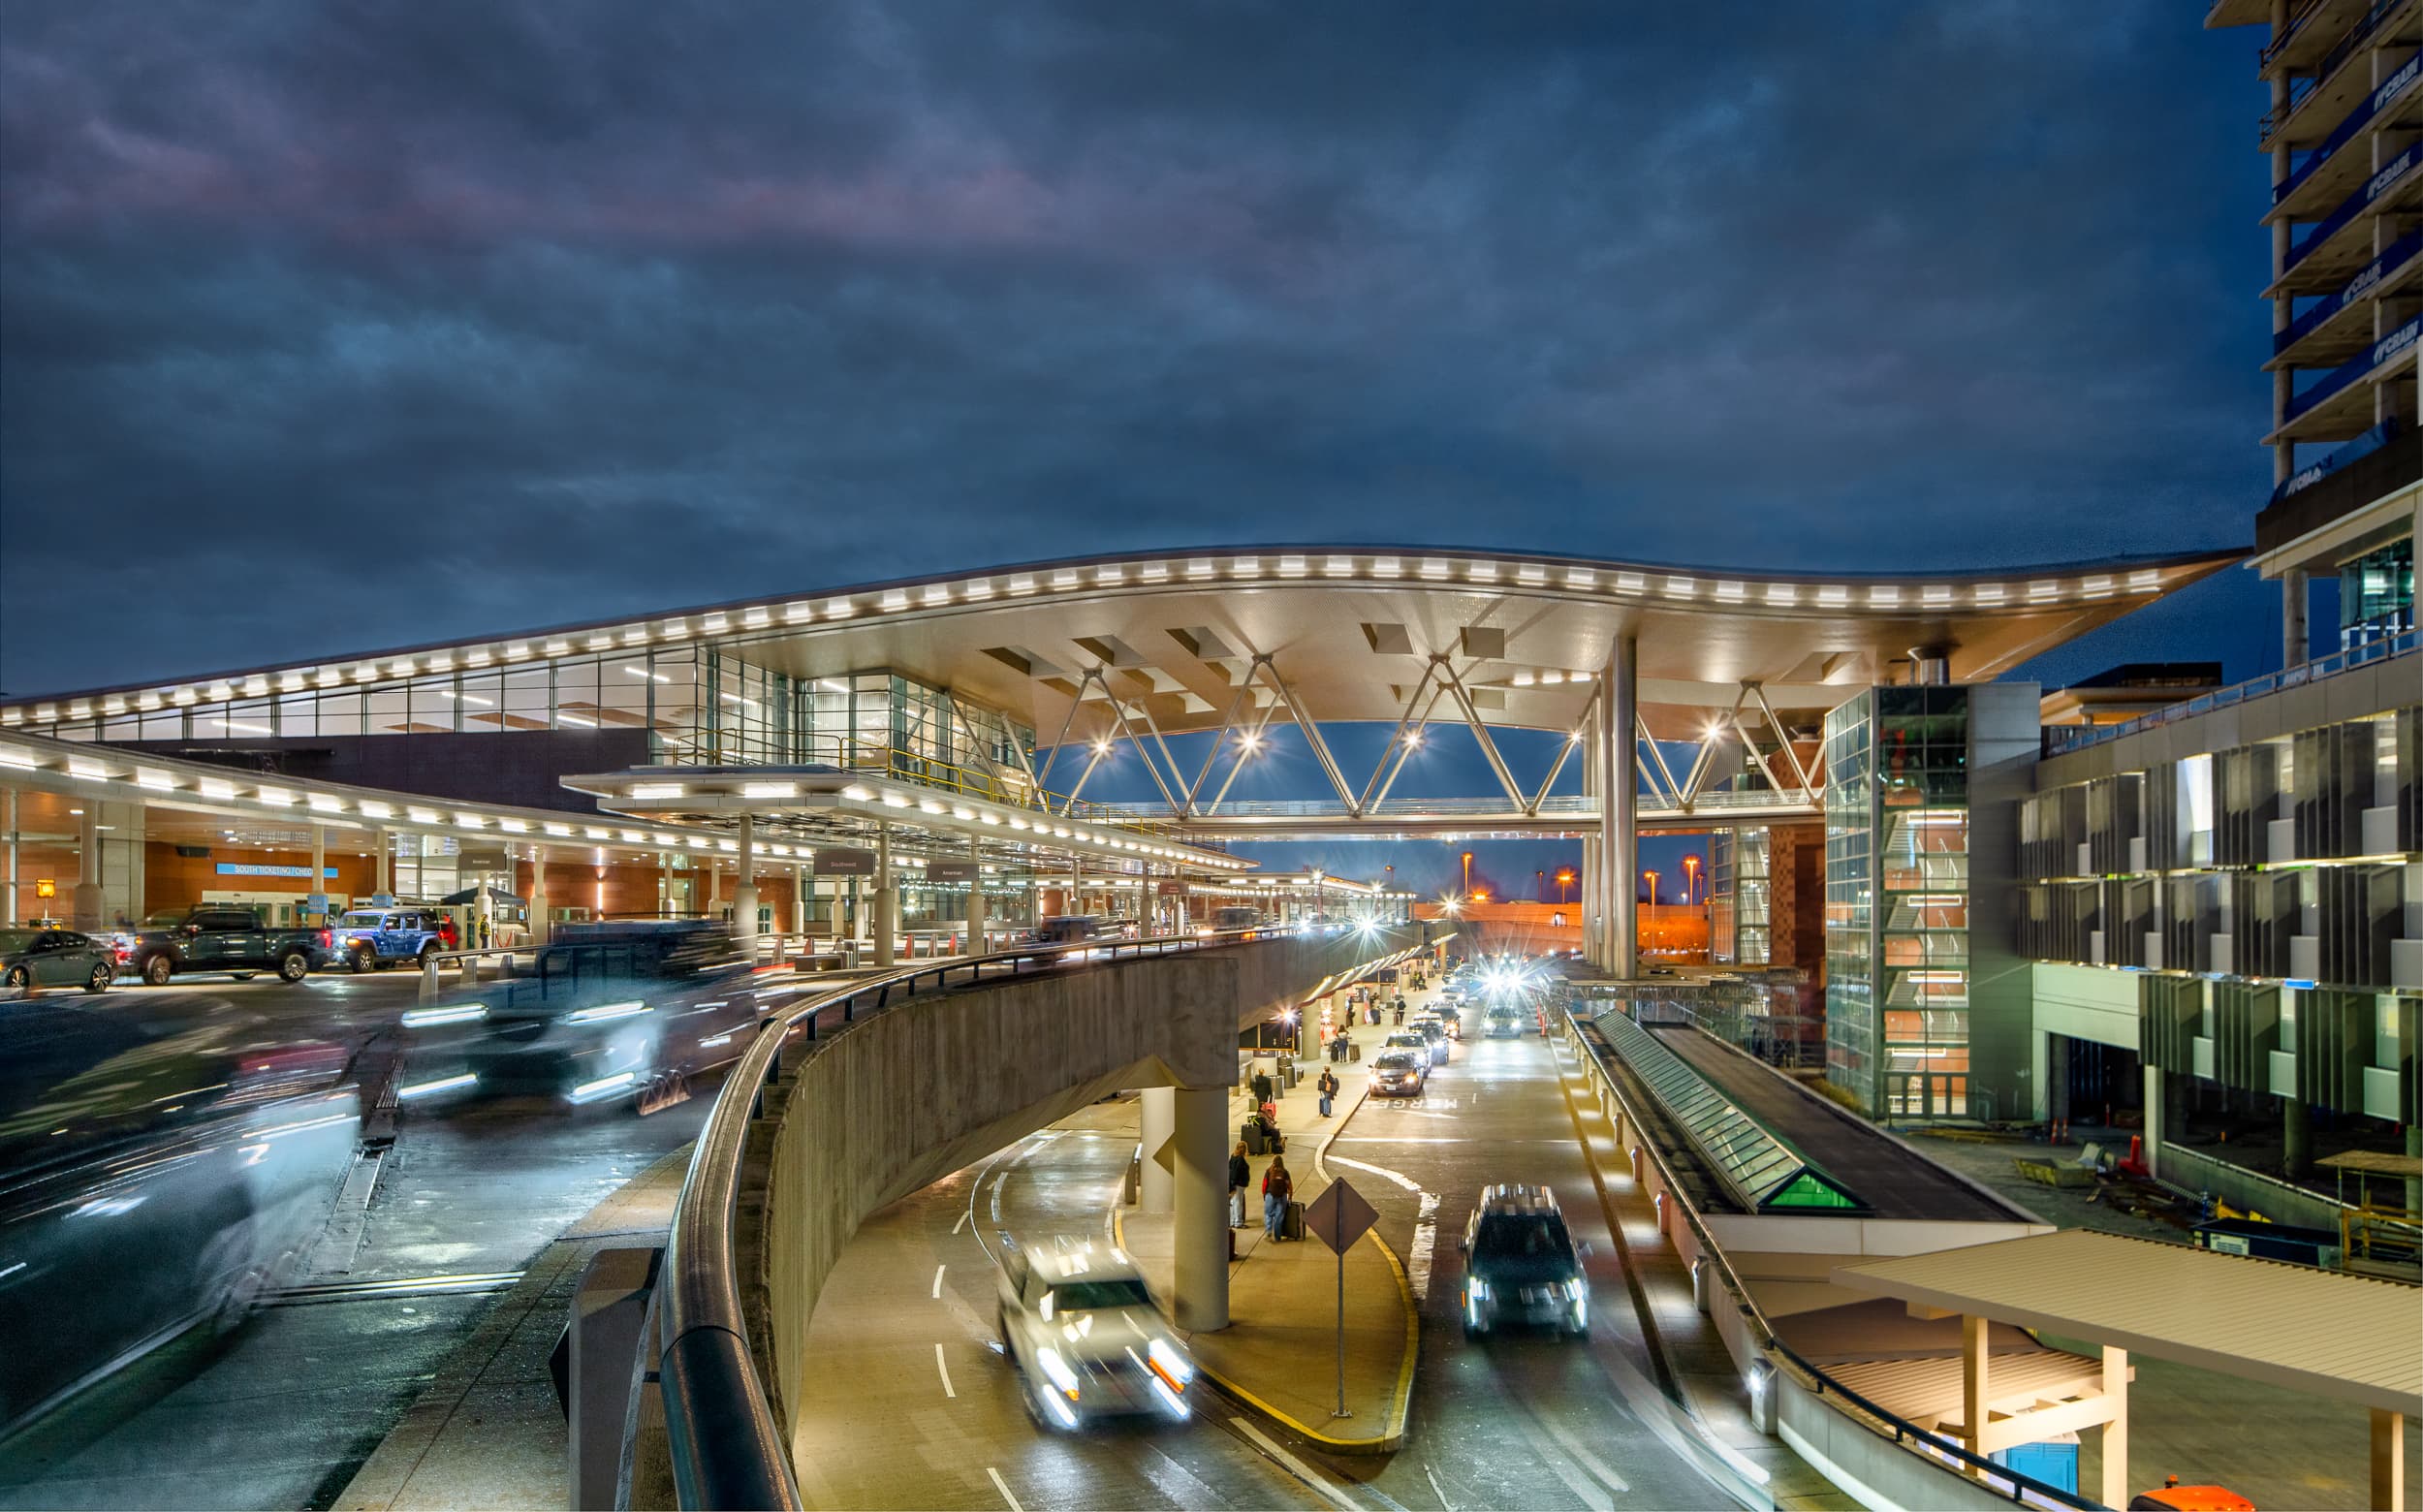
{"x": 454, "y": 1013}
{"x": 1169, "y": 1365}
{"x": 604, "y": 1012}
{"x": 1056, "y": 1370}
{"x": 1169, "y": 1400}
{"x": 603, "y": 1086}
{"x": 444, "y": 1084}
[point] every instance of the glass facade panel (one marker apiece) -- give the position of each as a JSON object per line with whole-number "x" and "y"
{"x": 1850, "y": 952}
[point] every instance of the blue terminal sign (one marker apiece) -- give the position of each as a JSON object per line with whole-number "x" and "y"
{"x": 254, "y": 868}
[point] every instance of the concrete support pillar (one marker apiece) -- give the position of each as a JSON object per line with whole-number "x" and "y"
{"x": 2294, "y": 636}
{"x": 887, "y": 900}
{"x": 1618, "y": 715}
{"x": 1158, "y": 1127}
{"x": 2389, "y": 1461}
{"x": 1199, "y": 1226}
{"x": 802, "y": 905}
{"x": 383, "y": 889}
{"x": 745, "y": 894}
{"x": 537, "y": 896}
{"x": 1974, "y": 1332}
{"x": 87, "y": 916}
{"x": 8, "y": 826}
{"x": 2414, "y": 1147}
{"x": 2296, "y": 1138}
{"x": 2116, "y": 1492}
{"x": 976, "y": 902}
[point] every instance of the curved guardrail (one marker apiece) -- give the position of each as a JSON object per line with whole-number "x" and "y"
{"x": 726, "y": 1445}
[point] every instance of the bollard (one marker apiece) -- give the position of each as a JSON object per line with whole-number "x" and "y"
{"x": 428, "y": 977}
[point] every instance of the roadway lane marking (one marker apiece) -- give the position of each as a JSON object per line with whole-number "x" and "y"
{"x": 1436, "y": 1491}
{"x": 1295, "y": 1467}
{"x": 944, "y": 1370}
{"x": 938, "y": 1269}
{"x": 1424, "y": 1225}
{"x": 960, "y": 1226}
{"x": 1004, "y": 1490}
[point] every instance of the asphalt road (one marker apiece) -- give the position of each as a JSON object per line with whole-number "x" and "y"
{"x": 284, "y": 1412}
{"x": 912, "y": 1403}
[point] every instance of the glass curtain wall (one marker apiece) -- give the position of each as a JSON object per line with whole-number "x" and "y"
{"x": 1850, "y": 900}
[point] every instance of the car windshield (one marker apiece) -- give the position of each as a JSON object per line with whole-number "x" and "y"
{"x": 14, "y": 940}
{"x": 1395, "y": 1061}
{"x": 1515, "y": 1236}
{"x": 1086, "y": 1296}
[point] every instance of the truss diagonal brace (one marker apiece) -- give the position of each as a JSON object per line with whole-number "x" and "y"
{"x": 1311, "y": 733}
{"x": 1480, "y": 730}
{"x": 1783, "y": 738}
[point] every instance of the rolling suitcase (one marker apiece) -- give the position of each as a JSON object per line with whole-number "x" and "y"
{"x": 1291, "y": 1224}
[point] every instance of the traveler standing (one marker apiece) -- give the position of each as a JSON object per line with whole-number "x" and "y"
{"x": 1276, "y": 1188}
{"x": 1329, "y": 1089}
{"x": 1240, "y": 1177}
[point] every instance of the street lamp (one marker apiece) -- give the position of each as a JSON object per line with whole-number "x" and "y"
{"x": 1690, "y": 875}
{"x": 1651, "y": 879}
{"x": 1564, "y": 880}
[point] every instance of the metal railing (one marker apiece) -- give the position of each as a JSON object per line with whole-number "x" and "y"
{"x": 1569, "y": 806}
{"x": 2061, "y": 739}
{"x": 727, "y": 1447}
{"x": 2023, "y": 1490}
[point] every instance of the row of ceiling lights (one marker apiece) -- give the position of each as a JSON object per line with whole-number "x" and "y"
{"x": 1877, "y": 597}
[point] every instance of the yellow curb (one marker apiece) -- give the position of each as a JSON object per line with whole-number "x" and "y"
{"x": 1394, "y": 1438}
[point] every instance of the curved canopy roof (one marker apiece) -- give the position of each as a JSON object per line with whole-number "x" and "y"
{"x": 1348, "y": 630}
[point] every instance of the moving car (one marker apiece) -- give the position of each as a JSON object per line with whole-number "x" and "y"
{"x": 1400, "y": 1073}
{"x": 1433, "y": 1035}
{"x": 1236, "y": 919}
{"x": 373, "y": 939}
{"x": 1449, "y": 1017}
{"x": 1077, "y": 1319}
{"x": 56, "y": 958}
{"x": 1069, "y": 930}
{"x": 1503, "y": 1020}
{"x": 156, "y": 1173}
{"x": 614, "y": 1011}
{"x": 1521, "y": 1265}
{"x": 227, "y": 938}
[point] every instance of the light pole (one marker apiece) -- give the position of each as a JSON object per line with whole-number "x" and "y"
{"x": 1564, "y": 880}
{"x": 1466, "y": 890}
{"x": 1651, "y": 879}
{"x": 1539, "y": 885}
{"x": 1690, "y": 875}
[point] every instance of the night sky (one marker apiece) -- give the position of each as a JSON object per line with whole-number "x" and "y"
{"x": 328, "y": 326}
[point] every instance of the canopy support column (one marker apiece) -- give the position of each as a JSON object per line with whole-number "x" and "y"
{"x": 2116, "y": 1429}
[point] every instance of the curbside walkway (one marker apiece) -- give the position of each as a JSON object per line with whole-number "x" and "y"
{"x": 1278, "y": 1355}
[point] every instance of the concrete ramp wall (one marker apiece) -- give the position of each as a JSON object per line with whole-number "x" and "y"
{"x": 907, "y": 1095}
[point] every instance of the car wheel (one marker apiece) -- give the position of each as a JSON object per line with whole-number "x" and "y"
{"x": 293, "y": 966}
{"x": 102, "y": 976}
{"x": 18, "y": 976}
{"x": 360, "y": 961}
{"x": 156, "y": 970}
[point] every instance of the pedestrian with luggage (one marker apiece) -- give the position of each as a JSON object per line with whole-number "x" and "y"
{"x": 1240, "y": 1177}
{"x": 1276, "y": 1188}
{"x": 1329, "y": 1089}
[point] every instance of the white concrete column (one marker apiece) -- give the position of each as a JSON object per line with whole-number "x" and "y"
{"x": 8, "y": 824}
{"x": 87, "y": 917}
{"x": 745, "y": 894}
{"x": 538, "y": 896}
{"x": 801, "y": 905}
{"x": 1159, "y": 1125}
{"x": 1618, "y": 713}
{"x": 976, "y": 900}
{"x": 2294, "y": 633}
{"x": 319, "y": 874}
{"x": 383, "y": 889}
{"x": 887, "y": 900}
{"x": 2155, "y": 1109}
{"x": 1199, "y": 1225}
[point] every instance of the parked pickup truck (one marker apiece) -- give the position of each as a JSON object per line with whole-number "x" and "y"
{"x": 218, "y": 937}
{"x": 371, "y": 939}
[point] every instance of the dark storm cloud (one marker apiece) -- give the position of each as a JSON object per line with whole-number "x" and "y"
{"x": 332, "y": 326}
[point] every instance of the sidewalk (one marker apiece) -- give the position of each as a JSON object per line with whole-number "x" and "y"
{"x": 1279, "y": 1354}
{"x": 488, "y": 1432}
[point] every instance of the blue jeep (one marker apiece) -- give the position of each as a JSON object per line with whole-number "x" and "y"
{"x": 376, "y": 938}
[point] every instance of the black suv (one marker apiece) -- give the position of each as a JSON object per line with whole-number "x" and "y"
{"x": 1520, "y": 1266}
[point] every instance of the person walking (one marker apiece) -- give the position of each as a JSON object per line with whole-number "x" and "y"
{"x": 1240, "y": 1177}
{"x": 1276, "y": 1188}
{"x": 1329, "y": 1089}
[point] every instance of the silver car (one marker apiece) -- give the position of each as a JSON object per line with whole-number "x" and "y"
{"x": 1078, "y": 1320}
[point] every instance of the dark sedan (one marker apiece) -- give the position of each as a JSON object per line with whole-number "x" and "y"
{"x": 56, "y": 958}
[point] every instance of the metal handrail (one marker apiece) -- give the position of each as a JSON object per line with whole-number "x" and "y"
{"x": 1565, "y": 803}
{"x": 2059, "y": 740}
{"x": 727, "y": 1447}
{"x": 1905, "y": 1434}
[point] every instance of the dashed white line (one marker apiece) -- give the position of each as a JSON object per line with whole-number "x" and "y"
{"x": 938, "y": 1269}
{"x": 1436, "y": 1491}
{"x": 1424, "y": 1223}
{"x": 962, "y": 1225}
{"x": 1004, "y": 1490}
{"x": 944, "y": 1370}
{"x": 1398, "y": 1177}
